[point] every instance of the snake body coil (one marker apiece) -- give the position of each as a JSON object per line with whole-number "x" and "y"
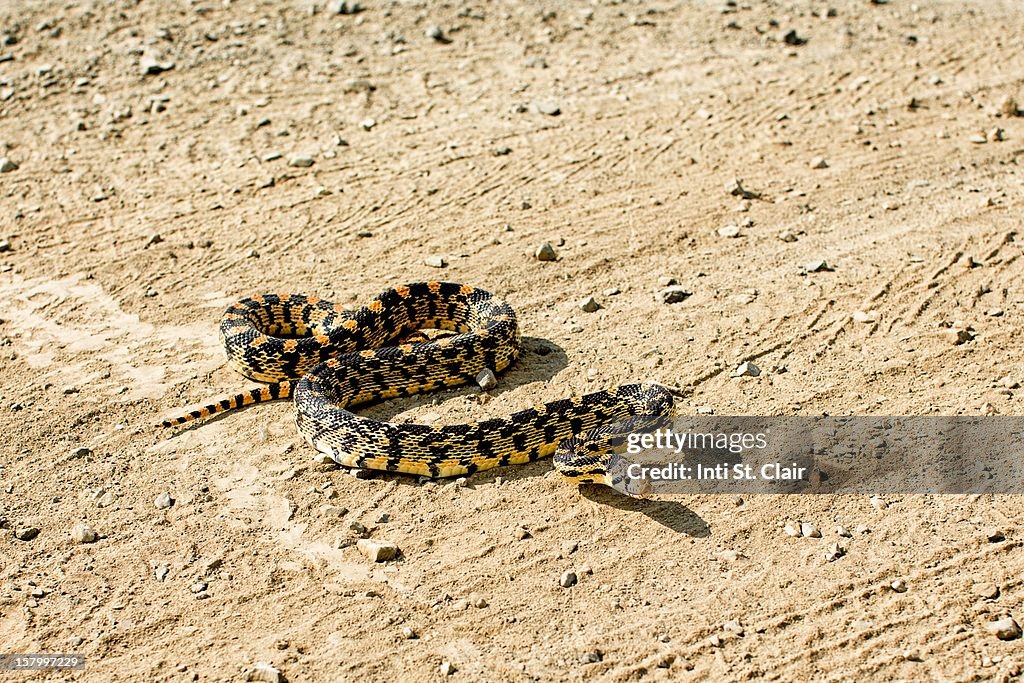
{"x": 331, "y": 359}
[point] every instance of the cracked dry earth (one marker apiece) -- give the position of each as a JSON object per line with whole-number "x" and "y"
{"x": 167, "y": 158}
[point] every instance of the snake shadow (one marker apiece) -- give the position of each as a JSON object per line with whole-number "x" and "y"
{"x": 669, "y": 513}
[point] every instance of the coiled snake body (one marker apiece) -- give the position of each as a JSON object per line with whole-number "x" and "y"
{"x": 331, "y": 359}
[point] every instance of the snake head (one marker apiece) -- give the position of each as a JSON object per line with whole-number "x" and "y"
{"x": 617, "y": 476}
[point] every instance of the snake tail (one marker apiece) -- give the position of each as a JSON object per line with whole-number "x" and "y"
{"x": 270, "y": 392}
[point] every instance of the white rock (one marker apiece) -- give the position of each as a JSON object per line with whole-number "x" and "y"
{"x": 1004, "y": 629}
{"x": 83, "y": 533}
{"x": 378, "y": 551}
{"x": 6, "y": 165}
{"x": 163, "y": 501}
{"x": 809, "y": 530}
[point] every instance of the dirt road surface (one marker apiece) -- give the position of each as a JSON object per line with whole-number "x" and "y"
{"x": 164, "y": 159}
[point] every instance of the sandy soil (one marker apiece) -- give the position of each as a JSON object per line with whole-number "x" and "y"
{"x": 107, "y": 328}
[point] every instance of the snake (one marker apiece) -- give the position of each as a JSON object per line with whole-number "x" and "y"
{"x": 329, "y": 359}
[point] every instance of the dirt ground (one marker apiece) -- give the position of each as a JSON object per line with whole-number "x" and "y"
{"x": 877, "y": 137}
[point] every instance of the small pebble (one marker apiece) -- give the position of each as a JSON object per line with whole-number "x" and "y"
{"x": 346, "y": 7}
{"x": 809, "y": 530}
{"x": 817, "y": 267}
{"x": 841, "y": 530}
{"x": 436, "y": 33}
{"x": 150, "y": 65}
{"x": 792, "y": 530}
{"x": 264, "y": 672}
{"x": 163, "y": 501}
{"x": 377, "y": 551}
{"x": 878, "y": 503}
{"x": 819, "y": 162}
{"x": 435, "y": 262}
{"x": 26, "y": 533}
{"x": 899, "y": 586}
{"x": 994, "y": 535}
{"x": 368, "y": 123}
{"x": 568, "y": 579}
{"x": 611, "y": 291}
{"x": 547, "y": 107}
{"x": 729, "y": 231}
{"x": 865, "y": 316}
{"x": 447, "y": 668}
{"x": 83, "y": 533}
{"x": 792, "y": 38}
{"x": 988, "y": 591}
{"x": 477, "y": 600}
{"x": 409, "y": 633}
{"x": 673, "y": 295}
{"x": 199, "y": 586}
{"x": 787, "y": 236}
{"x": 835, "y": 551}
{"x": 1008, "y": 106}
{"x": 6, "y": 165}
{"x": 592, "y": 657}
{"x": 736, "y": 189}
{"x": 300, "y": 162}
{"x": 486, "y": 379}
{"x": 545, "y": 252}
{"x": 589, "y": 304}
{"x": 746, "y": 369}
{"x": 1004, "y": 629}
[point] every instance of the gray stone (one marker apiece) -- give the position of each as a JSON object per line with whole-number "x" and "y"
{"x": 589, "y": 304}
{"x": 486, "y": 379}
{"x": 300, "y": 161}
{"x": 6, "y": 165}
{"x": 747, "y": 369}
{"x": 568, "y": 579}
{"x": 163, "y": 501}
{"x": 26, "y": 533}
{"x": 545, "y": 252}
